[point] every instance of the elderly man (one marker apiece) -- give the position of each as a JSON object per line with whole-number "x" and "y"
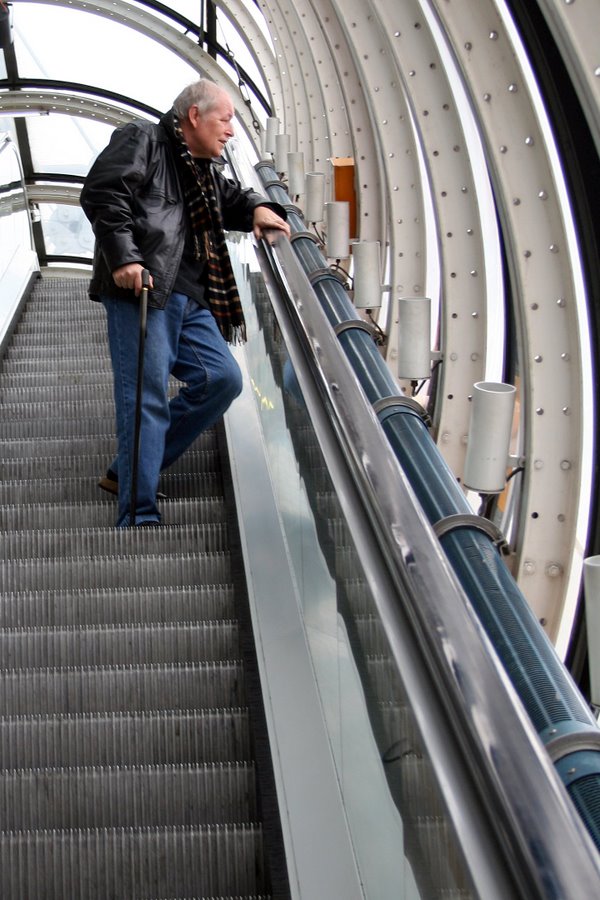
{"x": 156, "y": 202}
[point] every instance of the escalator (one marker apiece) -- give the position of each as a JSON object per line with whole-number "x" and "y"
{"x": 282, "y": 692}
{"x": 126, "y": 737}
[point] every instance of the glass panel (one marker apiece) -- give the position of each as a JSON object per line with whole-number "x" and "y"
{"x": 67, "y": 232}
{"x": 230, "y": 39}
{"x": 65, "y": 144}
{"x": 14, "y": 215}
{"x": 117, "y": 59}
{"x": 404, "y": 842}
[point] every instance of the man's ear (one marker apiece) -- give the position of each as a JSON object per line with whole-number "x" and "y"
{"x": 193, "y": 115}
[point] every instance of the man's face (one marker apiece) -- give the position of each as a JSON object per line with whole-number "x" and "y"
{"x": 211, "y": 131}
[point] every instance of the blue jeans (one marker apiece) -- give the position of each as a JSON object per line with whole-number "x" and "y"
{"x": 183, "y": 340}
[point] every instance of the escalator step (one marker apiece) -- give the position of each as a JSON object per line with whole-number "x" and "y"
{"x": 211, "y": 537}
{"x": 127, "y": 797}
{"x": 125, "y": 739}
{"x": 121, "y": 688}
{"x": 146, "y": 863}
{"x": 101, "y": 514}
{"x": 118, "y": 645}
{"x": 114, "y": 571}
{"x": 66, "y": 490}
{"x": 97, "y": 606}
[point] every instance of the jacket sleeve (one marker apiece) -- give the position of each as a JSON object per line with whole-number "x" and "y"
{"x": 107, "y": 196}
{"x": 238, "y": 205}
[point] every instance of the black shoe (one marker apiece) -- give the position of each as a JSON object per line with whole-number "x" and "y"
{"x": 110, "y": 483}
{"x": 149, "y": 523}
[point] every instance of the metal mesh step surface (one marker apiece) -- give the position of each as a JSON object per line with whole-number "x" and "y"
{"x": 176, "y": 737}
{"x": 126, "y": 747}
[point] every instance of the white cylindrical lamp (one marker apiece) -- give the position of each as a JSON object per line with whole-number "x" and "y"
{"x": 271, "y": 131}
{"x": 282, "y": 147}
{"x": 366, "y": 274}
{"x": 591, "y": 582}
{"x": 337, "y": 219}
{"x": 490, "y": 427}
{"x": 414, "y": 342}
{"x": 314, "y": 204}
{"x": 295, "y": 172}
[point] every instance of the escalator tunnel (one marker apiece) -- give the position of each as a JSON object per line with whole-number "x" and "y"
{"x": 283, "y": 692}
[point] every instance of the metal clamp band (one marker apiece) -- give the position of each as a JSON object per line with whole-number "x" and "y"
{"x": 401, "y": 400}
{"x": 316, "y": 274}
{"x": 565, "y": 744}
{"x": 466, "y": 520}
{"x": 274, "y": 182}
{"x": 305, "y": 234}
{"x": 360, "y": 324}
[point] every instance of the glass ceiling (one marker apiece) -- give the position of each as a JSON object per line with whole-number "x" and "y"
{"x": 122, "y": 68}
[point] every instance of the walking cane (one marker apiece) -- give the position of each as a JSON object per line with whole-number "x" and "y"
{"x": 139, "y": 391}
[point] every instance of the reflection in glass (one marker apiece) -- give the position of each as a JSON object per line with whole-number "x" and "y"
{"x": 67, "y": 232}
{"x": 404, "y": 842}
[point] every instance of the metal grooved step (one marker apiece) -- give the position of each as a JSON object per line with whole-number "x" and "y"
{"x": 126, "y": 766}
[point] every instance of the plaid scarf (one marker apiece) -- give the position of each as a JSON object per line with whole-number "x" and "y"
{"x": 209, "y": 238}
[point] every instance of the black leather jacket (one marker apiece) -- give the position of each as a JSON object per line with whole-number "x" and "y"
{"x": 132, "y": 197}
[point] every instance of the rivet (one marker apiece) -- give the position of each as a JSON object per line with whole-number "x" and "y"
{"x": 513, "y": 88}
{"x": 493, "y": 35}
{"x": 529, "y": 567}
{"x": 535, "y": 306}
{"x": 565, "y": 464}
{"x": 539, "y": 411}
{"x": 469, "y": 231}
{"x": 529, "y": 141}
{"x": 454, "y": 357}
{"x": 561, "y": 302}
{"x": 566, "y": 410}
{"x": 553, "y": 570}
{"x": 468, "y": 45}
{"x": 503, "y": 149}
{"x": 542, "y": 195}
{"x": 566, "y": 357}
{"x": 445, "y": 437}
{"x": 473, "y": 273}
{"x": 474, "y": 315}
{"x": 487, "y": 98}
{"x": 553, "y": 248}
{"x": 474, "y": 357}
{"x": 538, "y": 464}
{"x": 538, "y": 358}
{"x": 516, "y": 201}
{"x": 527, "y": 254}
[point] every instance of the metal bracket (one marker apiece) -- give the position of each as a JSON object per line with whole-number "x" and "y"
{"x": 576, "y": 741}
{"x": 316, "y": 274}
{"x": 360, "y": 324}
{"x": 305, "y": 234}
{"x": 466, "y": 520}
{"x": 401, "y": 400}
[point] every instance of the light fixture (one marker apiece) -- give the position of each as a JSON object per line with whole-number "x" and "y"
{"x": 337, "y": 220}
{"x": 591, "y": 582}
{"x": 414, "y": 339}
{"x": 366, "y": 275}
{"x": 314, "y": 205}
{"x": 490, "y": 427}
{"x": 295, "y": 171}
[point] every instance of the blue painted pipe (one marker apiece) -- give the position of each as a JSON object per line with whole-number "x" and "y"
{"x": 553, "y": 702}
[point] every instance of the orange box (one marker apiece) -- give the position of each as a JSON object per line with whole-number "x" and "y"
{"x": 344, "y": 187}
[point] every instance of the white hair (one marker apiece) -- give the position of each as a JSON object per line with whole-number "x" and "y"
{"x": 204, "y": 94}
